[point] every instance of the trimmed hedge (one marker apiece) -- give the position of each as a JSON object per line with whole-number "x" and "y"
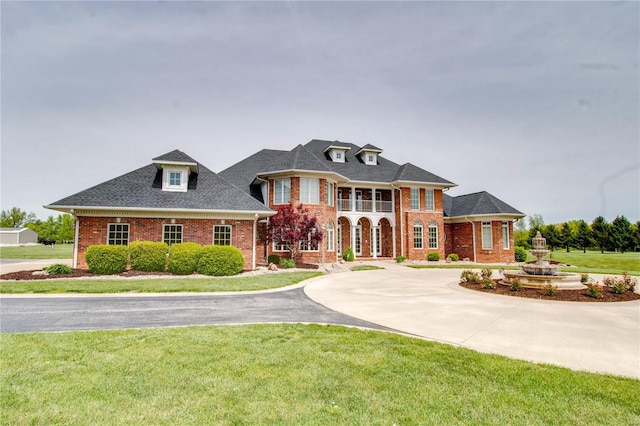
{"x": 520, "y": 254}
{"x": 183, "y": 258}
{"x": 433, "y": 256}
{"x": 348, "y": 255}
{"x": 148, "y": 256}
{"x": 107, "y": 260}
{"x": 273, "y": 258}
{"x": 220, "y": 261}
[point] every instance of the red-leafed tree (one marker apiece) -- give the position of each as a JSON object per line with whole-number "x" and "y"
{"x": 292, "y": 227}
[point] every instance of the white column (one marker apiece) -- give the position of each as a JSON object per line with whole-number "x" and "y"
{"x": 393, "y": 236}
{"x": 353, "y": 241}
{"x": 353, "y": 198}
{"x": 373, "y": 200}
{"x": 374, "y": 238}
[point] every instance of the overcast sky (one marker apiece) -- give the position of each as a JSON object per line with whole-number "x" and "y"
{"x": 534, "y": 102}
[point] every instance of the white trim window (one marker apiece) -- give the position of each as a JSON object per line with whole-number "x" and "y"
{"x": 487, "y": 236}
{"x": 310, "y": 190}
{"x": 171, "y": 234}
{"x": 282, "y": 191}
{"x": 429, "y": 200}
{"x": 418, "y": 236}
{"x": 330, "y": 236}
{"x": 505, "y": 235}
{"x": 280, "y": 247}
{"x": 221, "y": 235}
{"x": 175, "y": 180}
{"x": 118, "y": 234}
{"x": 433, "y": 235}
{"x": 330, "y": 193}
{"x": 415, "y": 199}
{"x": 309, "y": 245}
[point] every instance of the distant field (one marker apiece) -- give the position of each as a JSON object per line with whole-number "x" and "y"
{"x": 594, "y": 261}
{"x": 59, "y": 251}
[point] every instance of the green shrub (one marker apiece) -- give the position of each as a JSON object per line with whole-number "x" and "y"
{"x": 488, "y": 284}
{"x": 620, "y": 285}
{"x": 348, "y": 255}
{"x": 515, "y": 284}
{"x": 220, "y": 261}
{"x": 594, "y": 290}
{"x": 468, "y": 276}
{"x": 520, "y": 254}
{"x": 58, "y": 269}
{"x": 584, "y": 278}
{"x": 486, "y": 273}
{"x": 148, "y": 256}
{"x": 433, "y": 256}
{"x": 550, "y": 289}
{"x": 183, "y": 258}
{"x": 273, "y": 258}
{"x": 400, "y": 259}
{"x": 107, "y": 260}
{"x": 288, "y": 263}
{"x": 453, "y": 257}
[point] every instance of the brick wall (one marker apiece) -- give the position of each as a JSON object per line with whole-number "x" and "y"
{"x": 461, "y": 235}
{"x": 409, "y": 217}
{"x": 94, "y": 230}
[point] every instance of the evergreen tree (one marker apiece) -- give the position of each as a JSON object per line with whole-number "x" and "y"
{"x": 620, "y": 235}
{"x": 566, "y": 236}
{"x": 550, "y": 232}
{"x": 583, "y": 237}
{"x": 600, "y": 232}
{"x": 636, "y": 236}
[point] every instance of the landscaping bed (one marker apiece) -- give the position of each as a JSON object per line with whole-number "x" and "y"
{"x": 562, "y": 295}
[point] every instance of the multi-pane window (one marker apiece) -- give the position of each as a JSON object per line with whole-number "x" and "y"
{"x": 222, "y": 235}
{"x": 330, "y": 236}
{"x": 172, "y": 234}
{"x": 308, "y": 245}
{"x": 118, "y": 234}
{"x": 280, "y": 247}
{"x": 487, "y": 236}
{"x": 330, "y": 192}
{"x": 378, "y": 247}
{"x": 175, "y": 178}
{"x": 505, "y": 235}
{"x": 338, "y": 156}
{"x": 309, "y": 190}
{"x": 430, "y": 205}
{"x": 417, "y": 235}
{"x": 433, "y": 235}
{"x": 282, "y": 191}
{"x": 415, "y": 198}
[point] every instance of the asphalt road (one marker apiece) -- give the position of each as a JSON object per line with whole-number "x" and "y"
{"x": 65, "y": 313}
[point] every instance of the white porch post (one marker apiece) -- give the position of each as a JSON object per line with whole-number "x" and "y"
{"x": 353, "y": 241}
{"x": 353, "y": 198}
{"x": 375, "y": 242}
{"x": 373, "y": 200}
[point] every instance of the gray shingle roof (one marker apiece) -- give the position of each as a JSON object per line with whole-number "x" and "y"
{"x": 175, "y": 156}
{"x": 479, "y": 203}
{"x": 142, "y": 188}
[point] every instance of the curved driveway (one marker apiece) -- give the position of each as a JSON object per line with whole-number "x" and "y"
{"x": 600, "y": 337}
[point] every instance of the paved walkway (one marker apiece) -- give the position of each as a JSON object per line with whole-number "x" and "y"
{"x": 599, "y": 337}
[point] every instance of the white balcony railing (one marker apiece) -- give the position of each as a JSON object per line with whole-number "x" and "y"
{"x": 365, "y": 206}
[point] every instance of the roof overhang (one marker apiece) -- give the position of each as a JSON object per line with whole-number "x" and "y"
{"x": 193, "y": 167}
{"x": 376, "y": 150}
{"x": 437, "y": 185}
{"x": 342, "y": 148}
{"x": 483, "y": 217}
{"x": 291, "y": 172}
{"x": 149, "y": 212}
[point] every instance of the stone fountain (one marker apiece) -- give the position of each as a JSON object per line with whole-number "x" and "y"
{"x": 542, "y": 272}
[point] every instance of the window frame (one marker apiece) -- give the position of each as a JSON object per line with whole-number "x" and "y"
{"x": 229, "y": 231}
{"x": 330, "y": 237}
{"x": 169, "y": 241}
{"x": 418, "y": 235}
{"x": 306, "y": 192}
{"x": 429, "y": 199}
{"x": 414, "y": 201}
{"x": 280, "y": 183}
{"x": 330, "y": 187}
{"x": 487, "y": 226}
{"x": 433, "y": 237}
{"x": 112, "y": 241}
{"x": 505, "y": 235}
{"x": 167, "y": 178}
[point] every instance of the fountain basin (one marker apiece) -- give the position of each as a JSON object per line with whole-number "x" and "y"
{"x": 562, "y": 280}
{"x": 540, "y": 269}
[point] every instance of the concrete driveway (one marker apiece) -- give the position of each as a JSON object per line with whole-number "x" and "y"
{"x": 598, "y": 337}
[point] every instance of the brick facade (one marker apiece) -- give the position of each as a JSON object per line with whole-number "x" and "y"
{"x": 94, "y": 230}
{"x": 461, "y": 236}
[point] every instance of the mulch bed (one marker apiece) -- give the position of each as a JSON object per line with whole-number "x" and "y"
{"x": 562, "y": 295}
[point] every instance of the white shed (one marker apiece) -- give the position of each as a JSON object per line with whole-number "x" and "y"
{"x": 17, "y": 236}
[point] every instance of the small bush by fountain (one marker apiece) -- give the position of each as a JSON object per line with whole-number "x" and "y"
{"x": 542, "y": 273}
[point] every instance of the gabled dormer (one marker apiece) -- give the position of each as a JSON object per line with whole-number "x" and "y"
{"x": 337, "y": 153}
{"x": 369, "y": 154}
{"x": 176, "y": 167}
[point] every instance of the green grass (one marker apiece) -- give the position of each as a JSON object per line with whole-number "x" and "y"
{"x": 366, "y": 267}
{"x": 602, "y": 263}
{"x": 59, "y": 251}
{"x": 289, "y": 374}
{"x": 157, "y": 285}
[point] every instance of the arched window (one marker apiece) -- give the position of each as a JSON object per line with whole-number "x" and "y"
{"x": 433, "y": 235}
{"x": 330, "y": 236}
{"x": 417, "y": 235}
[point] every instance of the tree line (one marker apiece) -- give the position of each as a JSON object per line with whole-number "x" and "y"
{"x": 59, "y": 229}
{"x": 619, "y": 235}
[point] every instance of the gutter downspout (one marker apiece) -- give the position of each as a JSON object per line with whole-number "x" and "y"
{"x": 473, "y": 232}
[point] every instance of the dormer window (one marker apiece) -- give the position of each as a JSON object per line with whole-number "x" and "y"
{"x": 369, "y": 155}
{"x": 174, "y": 179}
{"x": 337, "y": 153}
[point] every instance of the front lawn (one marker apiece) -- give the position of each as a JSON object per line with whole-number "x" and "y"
{"x": 596, "y": 262}
{"x": 158, "y": 285}
{"x": 289, "y": 374}
{"x": 59, "y": 251}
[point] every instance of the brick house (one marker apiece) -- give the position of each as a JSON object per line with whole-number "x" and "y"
{"x": 362, "y": 200}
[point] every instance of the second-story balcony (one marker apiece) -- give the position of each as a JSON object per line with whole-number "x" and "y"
{"x": 365, "y": 206}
